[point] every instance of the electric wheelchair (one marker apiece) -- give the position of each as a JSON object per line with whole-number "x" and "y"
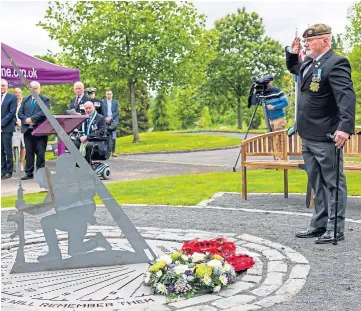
{"x": 100, "y": 151}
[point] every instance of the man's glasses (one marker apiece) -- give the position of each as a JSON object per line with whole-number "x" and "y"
{"x": 311, "y": 40}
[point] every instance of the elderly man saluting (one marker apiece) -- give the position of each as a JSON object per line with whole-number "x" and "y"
{"x": 326, "y": 104}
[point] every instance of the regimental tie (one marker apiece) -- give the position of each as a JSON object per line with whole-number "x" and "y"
{"x": 310, "y": 67}
{"x": 76, "y": 102}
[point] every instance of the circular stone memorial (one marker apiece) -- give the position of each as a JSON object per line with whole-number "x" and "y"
{"x": 278, "y": 274}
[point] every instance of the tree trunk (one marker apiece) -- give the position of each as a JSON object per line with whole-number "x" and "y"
{"x": 239, "y": 115}
{"x": 134, "y": 111}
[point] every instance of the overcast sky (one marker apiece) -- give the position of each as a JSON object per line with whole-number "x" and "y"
{"x": 281, "y": 18}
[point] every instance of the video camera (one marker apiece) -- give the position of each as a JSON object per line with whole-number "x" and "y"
{"x": 260, "y": 86}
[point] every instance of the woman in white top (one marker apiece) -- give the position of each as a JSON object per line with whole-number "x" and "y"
{"x": 18, "y": 137}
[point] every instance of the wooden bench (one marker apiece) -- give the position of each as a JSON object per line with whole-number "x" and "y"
{"x": 265, "y": 146}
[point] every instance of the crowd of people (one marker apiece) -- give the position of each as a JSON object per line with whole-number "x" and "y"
{"x": 20, "y": 116}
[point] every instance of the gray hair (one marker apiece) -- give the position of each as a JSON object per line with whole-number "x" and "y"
{"x": 3, "y": 80}
{"x": 35, "y": 84}
{"x": 79, "y": 83}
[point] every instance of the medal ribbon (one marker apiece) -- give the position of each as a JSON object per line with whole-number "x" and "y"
{"x": 89, "y": 124}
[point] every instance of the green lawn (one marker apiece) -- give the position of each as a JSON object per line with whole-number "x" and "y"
{"x": 168, "y": 141}
{"x": 192, "y": 189}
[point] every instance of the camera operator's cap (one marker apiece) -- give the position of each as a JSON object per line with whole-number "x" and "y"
{"x": 90, "y": 90}
{"x": 317, "y": 30}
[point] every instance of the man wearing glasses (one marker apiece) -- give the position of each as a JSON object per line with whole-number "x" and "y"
{"x": 326, "y": 104}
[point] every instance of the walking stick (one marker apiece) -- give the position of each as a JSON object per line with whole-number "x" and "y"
{"x": 338, "y": 156}
{"x": 338, "y": 159}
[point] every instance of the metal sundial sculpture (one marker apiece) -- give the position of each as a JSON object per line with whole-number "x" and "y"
{"x": 71, "y": 192}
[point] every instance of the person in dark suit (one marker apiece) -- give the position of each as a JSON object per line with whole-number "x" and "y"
{"x": 98, "y": 104}
{"x": 31, "y": 117}
{"x": 326, "y": 104}
{"x": 8, "y": 110}
{"x": 112, "y": 112}
{"x": 77, "y": 103}
{"x": 93, "y": 129}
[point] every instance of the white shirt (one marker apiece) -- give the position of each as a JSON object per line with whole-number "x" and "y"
{"x": 3, "y": 96}
{"x": 316, "y": 59}
{"x": 109, "y": 106}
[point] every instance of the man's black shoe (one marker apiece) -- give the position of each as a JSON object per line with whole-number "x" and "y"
{"x": 327, "y": 237}
{"x": 26, "y": 177}
{"x": 6, "y": 176}
{"x": 311, "y": 233}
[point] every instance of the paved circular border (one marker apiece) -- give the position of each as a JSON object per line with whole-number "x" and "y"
{"x": 280, "y": 272}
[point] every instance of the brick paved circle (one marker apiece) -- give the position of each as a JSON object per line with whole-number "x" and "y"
{"x": 279, "y": 274}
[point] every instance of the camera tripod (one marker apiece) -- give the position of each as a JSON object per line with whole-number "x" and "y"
{"x": 260, "y": 101}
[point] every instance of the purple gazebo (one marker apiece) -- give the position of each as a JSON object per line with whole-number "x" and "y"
{"x": 34, "y": 69}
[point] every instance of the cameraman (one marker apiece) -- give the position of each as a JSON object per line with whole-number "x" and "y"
{"x": 275, "y": 103}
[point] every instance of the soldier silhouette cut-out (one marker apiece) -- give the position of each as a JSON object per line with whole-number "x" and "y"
{"x": 71, "y": 193}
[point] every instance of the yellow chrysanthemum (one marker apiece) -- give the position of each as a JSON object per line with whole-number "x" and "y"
{"x": 157, "y": 266}
{"x": 175, "y": 256}
{"x": 202, "y": 270}
{"x": 216, "y": 256}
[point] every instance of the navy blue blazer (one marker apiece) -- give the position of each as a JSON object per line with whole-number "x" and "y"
{"x": 83, "y": 100}
{"x": 115, "y": 109}
{"x": 36, "y": 114}
{"x": 8, "y": 111}
{"x": 332, "y": 106}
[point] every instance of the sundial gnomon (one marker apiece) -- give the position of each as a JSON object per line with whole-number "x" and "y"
{"x": 71, "y": 198}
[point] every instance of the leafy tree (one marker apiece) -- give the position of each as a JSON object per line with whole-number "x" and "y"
{"x": 289, "y": 90}
{"x": 243, "y": 51}
{"x": 353, "y": 37}
{"x": 353, "y": 31}
{"x": 355, "y": 57}
{"x": 139, "y": 42}
{"x": 337, "y": 43}
{"x": 205, "y": 119}
{"x": 187, "y": 107}
{"x": 59, "y": 95}
{"x": 160, "y": 114}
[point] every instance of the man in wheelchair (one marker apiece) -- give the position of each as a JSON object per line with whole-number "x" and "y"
{"x": 93, "y": 133}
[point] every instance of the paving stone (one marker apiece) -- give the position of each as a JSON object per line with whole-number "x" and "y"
{"x": 257, "y": 269}
{"x": 194, "y": 301}
{"x": 245, "y": 308}
{"x": 200, "y": 308}
{"x": 291, "y": 287}
{"x": 148, "y": 308}
{"x": 256, "y": 247}
{"x": 243, "y": 250}
{"x": 252, "y": 278}
{"x": 236, "y": 289}
{"x": 299, "y": 272}
{"x": 272, "y": 300}
{"x": 277, "y": 266}
{"x": 296, "y": 257}
{"x": 272, "y": 254}
{"x": 172, "y": 237}
{"x": 274, "y": 278}
{"x": 264, "y": 290}
{"x": 233, "y": 301}
{"x": 250, "y": 238}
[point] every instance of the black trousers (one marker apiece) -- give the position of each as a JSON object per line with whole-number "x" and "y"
{"x": 113, "y": 144}
{"x": 6, "y": 153}
{"x": 34, "y": 145}
{"x": 89, "y": 149}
